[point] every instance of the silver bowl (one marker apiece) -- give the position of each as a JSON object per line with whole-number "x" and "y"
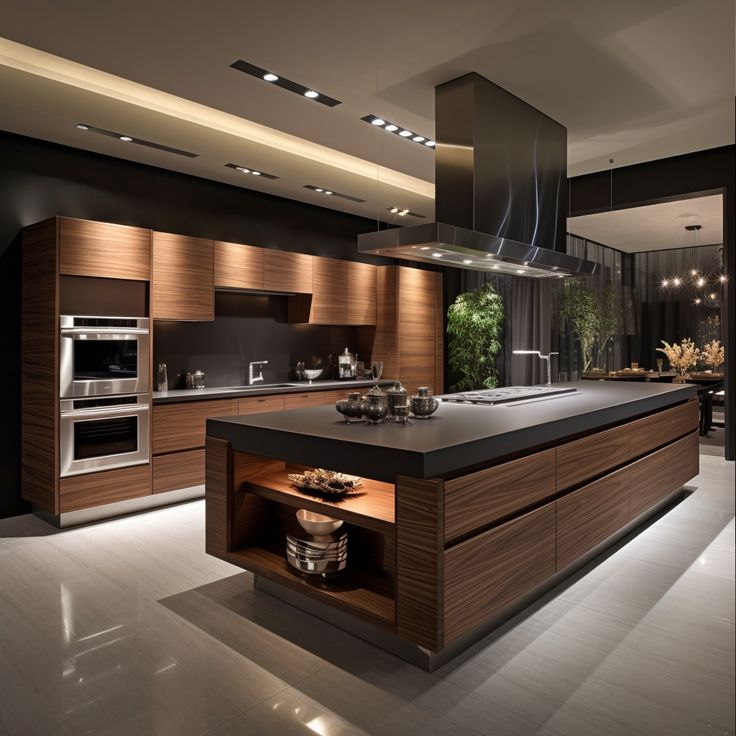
{"x": 317, "y": 524}
{"x": 312, "y": 373}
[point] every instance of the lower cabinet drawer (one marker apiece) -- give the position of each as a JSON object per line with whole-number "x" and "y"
{"x": 183, "y": 426}
{"x": 95, "y": 489}
{"x": 477, "y": 499}
{"x": 664, "y": 426}
{"x": 300, "y": 401}
{"x": 260, "y": 404}
{"x": 656, "y": 476}
{"x": 588, "y": 516}
{"x": 488, "y": 572}
{"x": 178, "y": 470}
{"x": 330, "y": 397}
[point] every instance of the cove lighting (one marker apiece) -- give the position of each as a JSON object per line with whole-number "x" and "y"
{"x": 277, "y": 80}
{"x": 398, "y": 130}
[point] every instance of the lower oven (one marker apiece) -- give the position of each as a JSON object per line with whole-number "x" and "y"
{"x": 103, "y": 433}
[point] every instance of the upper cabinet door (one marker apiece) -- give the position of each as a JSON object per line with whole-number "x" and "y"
{"x": 182, "y": 286}
{"x": 104, "y": 250}
{"x": 288, "y": 272}
{"x": 330, "y": 296}
{"x": 238, "y": 266}
{"x": 361, "y": 288}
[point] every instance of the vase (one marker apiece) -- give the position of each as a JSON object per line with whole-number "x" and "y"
{"x": 680, "y": 377}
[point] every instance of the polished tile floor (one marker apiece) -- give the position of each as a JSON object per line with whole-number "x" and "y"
{"x": 127, "y": 627}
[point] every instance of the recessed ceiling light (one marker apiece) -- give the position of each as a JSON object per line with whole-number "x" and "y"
{"x": 436, "y": 255}
{"x": 697, "y": 301}
{"x": 275, "y": 80}
{"x": 676, "y": 281}
{"x": 405, "y": 133}
{"x": 701, "y": 282}
{"x": 693, "y": 272}
{"x": 402, "y": 213}
{"x": 136, "y": 141}
{"x": 332, "y": 192}
{"x": 520, "y": 270}
{"x": 391, "y": 127}
{"x": 665, "y": 282}
{"x": 251, "y": 172}
{"x": 722, "y": 278}
{"x": 405, "y": 211}
{"x": 418, "y": 138}
{"x": 378, "y": 121}
{"x": 425, "y": 247}
{"x": 467, "y": 261}
{"x": 431, "y": 144}
{"x": 394, "y": 210}
{"x": 712, "y": 295}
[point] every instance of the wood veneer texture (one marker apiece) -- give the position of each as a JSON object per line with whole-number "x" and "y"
{"x": 419, "y": 561}
{"x": 104, "y": 249}
{"x": 361, "y": 293}
{"x": 261, "y": 404}
{"x": 177, "y": 470}
{"x": 486, "y": 573}
{"x": 386, "y": 336}
{"x": 40, "y": 356}
{"x": 286, "y": 271}
{"x": 182, "y": 284}
{"x": 588, "y": 516}
{"x": 238, "y": 266}
{"x": 475, "y": 500}
{"x": 657, "y": 429}
{"x": 656, "y": 476}
{"x": 330, "y": 292}
{"x": 301, "y": 401}
{"x": 95, "y": 489}
{"x": 218, "y": 496}
{"x": 183, "y": 426}
{"x": 579, "y": 460}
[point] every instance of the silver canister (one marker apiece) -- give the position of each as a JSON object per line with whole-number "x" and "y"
{"x": 198, "y": 378}
{"x": 423, "y": 404}
{"x": 396, "y": 396}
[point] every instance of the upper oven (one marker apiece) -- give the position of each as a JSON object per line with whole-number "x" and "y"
{"x": 99, "y": 356}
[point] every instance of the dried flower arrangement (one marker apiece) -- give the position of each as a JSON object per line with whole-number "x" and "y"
{"x": 712, "y": 354}
{"x": 682, "y": 357}
{"x": 327, "y": 482}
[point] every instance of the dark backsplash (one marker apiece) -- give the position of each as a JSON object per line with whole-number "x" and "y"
{"x": 247, "y": 327}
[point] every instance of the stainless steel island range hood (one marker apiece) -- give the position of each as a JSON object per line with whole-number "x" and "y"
{"x": 501, "y": 189}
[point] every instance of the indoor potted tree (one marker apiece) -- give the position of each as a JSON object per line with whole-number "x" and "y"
{"x": 474, "y": 328}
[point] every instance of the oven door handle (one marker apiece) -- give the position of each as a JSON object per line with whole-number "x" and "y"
{"x": 74, "y": 331}
{"x": 102, "y": 412}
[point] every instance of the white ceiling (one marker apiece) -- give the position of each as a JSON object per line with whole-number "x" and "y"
{"x": 656, "y": 226}
{"x": 631, "y": 80}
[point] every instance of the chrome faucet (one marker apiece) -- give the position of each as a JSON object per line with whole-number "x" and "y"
{"x": 541, "y": 357}
{"x": 252, "y": 378}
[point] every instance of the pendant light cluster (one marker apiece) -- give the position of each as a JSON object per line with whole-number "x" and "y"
{"x": 704, "y": 288}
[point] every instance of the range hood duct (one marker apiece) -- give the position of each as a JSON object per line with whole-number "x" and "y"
{"x": 501, "y": 189}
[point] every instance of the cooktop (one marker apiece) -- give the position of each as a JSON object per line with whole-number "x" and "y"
{"x": 491, "y": 396}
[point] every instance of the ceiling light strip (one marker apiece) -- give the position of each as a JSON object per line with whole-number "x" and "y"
{"x": 406, "y": 133}
{"x": 125, "y": 138}
{"x": 403, "y": 212}
{"x": 278, "y": 81}
{"x": 251, "y": 171}
{"x": 332, "y": 193}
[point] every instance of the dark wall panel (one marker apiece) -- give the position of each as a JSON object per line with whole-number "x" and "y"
{"x": 40, "y": 179}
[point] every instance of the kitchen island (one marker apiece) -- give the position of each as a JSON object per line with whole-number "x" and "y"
{"x": 464, "y": 518}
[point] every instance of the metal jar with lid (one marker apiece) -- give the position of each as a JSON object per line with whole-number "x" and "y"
{"x": 396, "y": 396}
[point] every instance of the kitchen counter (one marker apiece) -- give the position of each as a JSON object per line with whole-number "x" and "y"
{"x": 461, "y": 520}
{"x": 230, "y": 392}
{"x": 458, "y": 436}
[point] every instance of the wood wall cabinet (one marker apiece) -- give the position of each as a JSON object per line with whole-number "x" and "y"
{"x": 287, "y": 272}
{"x": 182, "y": 284}
{"x": 238, "y": 266}
{"x": 408, "y": 336}
{"x": 103, "y": 249}
{"x": 329, "y": 292}
{"x": 361, "y": 300}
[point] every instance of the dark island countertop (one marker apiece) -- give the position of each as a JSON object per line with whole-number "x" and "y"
{"x": 457, "y": 437}
{"x": 173, "y": 396}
